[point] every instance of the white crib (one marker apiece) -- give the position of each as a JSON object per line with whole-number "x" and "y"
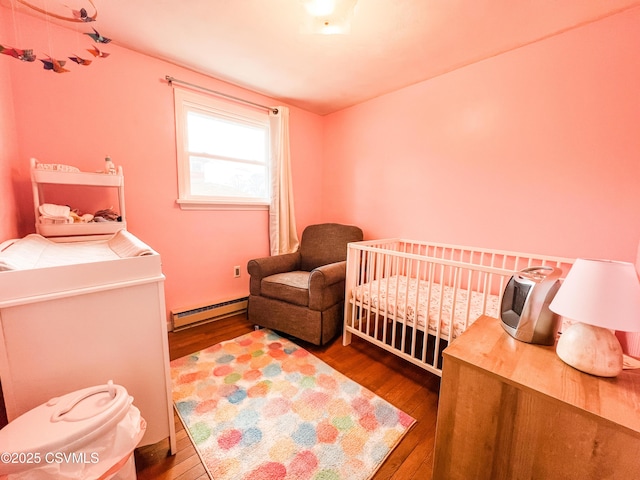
{"x": 397, "y": 290}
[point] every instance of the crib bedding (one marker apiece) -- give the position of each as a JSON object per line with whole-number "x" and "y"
{"x": 36, "y": 251}
{"x": 396, "y": 296}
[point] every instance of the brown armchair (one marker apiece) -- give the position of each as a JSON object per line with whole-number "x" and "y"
{"x": 302, "y": 293}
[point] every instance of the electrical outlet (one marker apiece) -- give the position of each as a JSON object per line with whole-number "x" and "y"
{"x": 236, "y": 271}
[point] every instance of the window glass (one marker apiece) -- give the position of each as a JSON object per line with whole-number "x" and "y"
{"x": 223, "y": 153}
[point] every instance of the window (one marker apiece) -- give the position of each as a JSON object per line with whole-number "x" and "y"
{"x": 223, "y": 153}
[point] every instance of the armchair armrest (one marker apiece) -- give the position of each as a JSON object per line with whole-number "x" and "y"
{"x": 329, "y": 274}
{"x": 321, "y": 279}
{"x": 259, "y": 268}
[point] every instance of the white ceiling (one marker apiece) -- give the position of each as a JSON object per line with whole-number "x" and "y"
{"x": 260, "y": 44}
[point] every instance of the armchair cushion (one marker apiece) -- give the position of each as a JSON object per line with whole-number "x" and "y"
{"x": 318, "y": 289}
{"x": 260, "y": 268}
{"x": 291, "y": 287}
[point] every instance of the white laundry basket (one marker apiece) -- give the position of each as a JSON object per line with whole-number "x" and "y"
{"x": 89, "y": 434}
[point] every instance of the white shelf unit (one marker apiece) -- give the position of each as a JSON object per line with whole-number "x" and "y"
{"x": 102, "y": 229}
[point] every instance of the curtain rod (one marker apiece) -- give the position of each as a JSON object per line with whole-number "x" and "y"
{"x": 171, "y": 80}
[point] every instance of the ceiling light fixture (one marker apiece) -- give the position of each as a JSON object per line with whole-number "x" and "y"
{"x": 320, "y": 8}
{"x": 328, "y": 17}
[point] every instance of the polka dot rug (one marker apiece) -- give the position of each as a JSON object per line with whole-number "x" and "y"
{"x": 259, "y": 407}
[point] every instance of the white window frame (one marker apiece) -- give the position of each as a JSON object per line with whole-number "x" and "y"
{"x": 186, "y": 101}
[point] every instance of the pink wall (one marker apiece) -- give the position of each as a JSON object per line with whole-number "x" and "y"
{"x": 553, "y": 124}
{"x": 8, "y": 149}
{"x": 534, "y": 150}
{"x": 122, "y": 106}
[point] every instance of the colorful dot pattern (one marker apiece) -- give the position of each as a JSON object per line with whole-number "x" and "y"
{"x": 261, "y": 408}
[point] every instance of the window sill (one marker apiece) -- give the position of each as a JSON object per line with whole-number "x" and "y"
{"x": 189, "y": 204}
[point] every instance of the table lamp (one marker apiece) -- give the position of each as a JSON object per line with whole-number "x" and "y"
{"x": 600, "y": 296}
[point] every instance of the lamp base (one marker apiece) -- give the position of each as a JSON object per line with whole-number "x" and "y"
{"x": 591, "y": 349}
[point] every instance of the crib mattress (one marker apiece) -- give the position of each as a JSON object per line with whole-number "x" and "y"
{"x": 395, "y": 296}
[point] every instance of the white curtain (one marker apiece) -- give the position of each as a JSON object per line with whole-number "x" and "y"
{"x": 283, "y": 237}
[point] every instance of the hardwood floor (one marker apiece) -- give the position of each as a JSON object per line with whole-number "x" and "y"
{"x": 399, "y": 382}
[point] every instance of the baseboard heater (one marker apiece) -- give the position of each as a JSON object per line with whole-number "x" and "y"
{"x": 189, "y": 317}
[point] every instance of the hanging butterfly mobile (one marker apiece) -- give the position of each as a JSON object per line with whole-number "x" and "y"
{"x": 77, "y": 15}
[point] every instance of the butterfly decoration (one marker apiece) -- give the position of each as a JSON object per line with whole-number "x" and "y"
{"x": 80, "y": 61}
{"x": 97, "y": 53}
{"x": 54, "y": 65}
{"x": 97, "y": 37}
{"x": 24, "y": 55}
{"x": 82, "y": 15}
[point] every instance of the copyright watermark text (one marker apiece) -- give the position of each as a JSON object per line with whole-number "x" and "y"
{"x": 37, "y": 458}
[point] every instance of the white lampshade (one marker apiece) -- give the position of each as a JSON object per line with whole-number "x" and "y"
{"x": 601, "y": 293}
{"x": 601, "y": 296}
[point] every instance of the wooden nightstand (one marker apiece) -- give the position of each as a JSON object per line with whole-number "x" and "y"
{"x": 510, "y": 410}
